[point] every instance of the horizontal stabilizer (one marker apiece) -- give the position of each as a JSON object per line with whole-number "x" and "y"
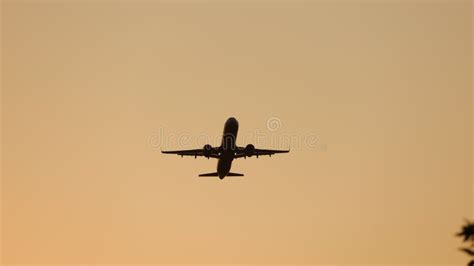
{"x": 216, "y": 174}
{"x": 210, "y": 174}
{"x": 235, "y": 174}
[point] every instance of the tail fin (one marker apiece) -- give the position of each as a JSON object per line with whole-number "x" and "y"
{"x": 210, "y": 174}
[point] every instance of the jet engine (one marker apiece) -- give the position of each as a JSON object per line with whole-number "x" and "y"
{"x": 207, "y": 150}
{"x": 249, "y": 150}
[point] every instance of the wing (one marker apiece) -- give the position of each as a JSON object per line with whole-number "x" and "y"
{"x": 243, "y": 152}
{"x": 468, "y": 251}
{"x": 196, "y": 152}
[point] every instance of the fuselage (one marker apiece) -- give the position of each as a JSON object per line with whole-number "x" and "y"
{"x": 228, "y": 146}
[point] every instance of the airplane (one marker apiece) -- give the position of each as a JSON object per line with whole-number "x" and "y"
{"x": 227, "y": 151}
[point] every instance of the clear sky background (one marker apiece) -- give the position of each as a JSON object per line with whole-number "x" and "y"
{"x": 92, "y": 90}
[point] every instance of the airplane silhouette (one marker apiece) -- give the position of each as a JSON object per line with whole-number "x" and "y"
{"x": 467, "y": 231}
{"x": 227, "y": 152}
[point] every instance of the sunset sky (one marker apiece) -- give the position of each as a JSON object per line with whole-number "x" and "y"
{"x": 375, "y": 98}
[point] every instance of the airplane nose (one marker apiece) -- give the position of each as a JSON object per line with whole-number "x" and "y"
{"x": 232, "y": 120}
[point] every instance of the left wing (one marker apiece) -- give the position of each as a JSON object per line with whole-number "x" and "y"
{"x": 195, "y": 153}
{"x": 468, "y": 251}
{"x": 249, "y": 152}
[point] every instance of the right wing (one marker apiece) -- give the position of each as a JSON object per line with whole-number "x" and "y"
{"x": 241, "y": 152}
{"x": 195, "y": 153}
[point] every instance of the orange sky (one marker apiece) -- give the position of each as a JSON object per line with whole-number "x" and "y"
{"x": 92, "y": 90}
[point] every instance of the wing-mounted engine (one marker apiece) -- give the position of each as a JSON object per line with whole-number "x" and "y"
{"x": 249, "y": 150}
{"x": 207, "y": 150}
